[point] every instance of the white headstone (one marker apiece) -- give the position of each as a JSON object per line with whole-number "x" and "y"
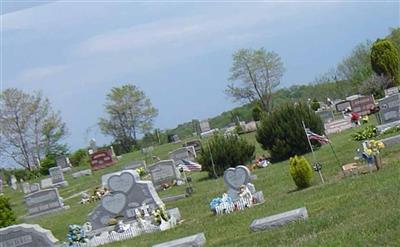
{"x": 14, "y": 185}
{"x": 26, "y": 188}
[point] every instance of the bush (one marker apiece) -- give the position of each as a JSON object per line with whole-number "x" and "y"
{"x": 23, "y": 174}
{"x": 227, "y": 151}
{"x": 301, "y": 171}
{"x": 365, "y": 134}
{"x": 282, "y": 133}
{"x": 257, "y": 113}
{"x": 79, "y": 158}
{"x": 7, "y": 216}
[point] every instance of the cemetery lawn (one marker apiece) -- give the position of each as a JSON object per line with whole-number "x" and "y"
{"x": 361, "y": 210}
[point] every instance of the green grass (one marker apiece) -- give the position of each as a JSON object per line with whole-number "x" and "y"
{"x": 361, "y": 210}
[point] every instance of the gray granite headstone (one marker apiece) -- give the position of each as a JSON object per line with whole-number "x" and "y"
{"x": 390, "y": 141}
{"x": 87, "y": 172}
{"x": 43, "y": 202}
{"x": 57, "y": 176}
{"x": 128, "y": 192}
{"x": 173, "y": 198}
{"x": 197, "y": 240}
{"x": 26, "y": 235}
{"x": 1, "y": 185}
{"x": 34, "y": 187}
{"x": 204, "y": 126}
{"x": 63, "y": 162}
{"x": 279, "y": 219}
{"x": 195, "y": 143}
{"x": 326, "y": 116}
{"x": 234, "y": 178}
{"x": 26, "y": 188}
{"x": 185, "y": 153}
{"x": 135, "y": 164}
{"x": 389, "y": 108}
{"x": 46, "y": 183}
{"x": 163, "y": 172}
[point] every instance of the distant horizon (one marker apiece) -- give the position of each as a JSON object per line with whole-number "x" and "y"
{"x": 179, "y": 54}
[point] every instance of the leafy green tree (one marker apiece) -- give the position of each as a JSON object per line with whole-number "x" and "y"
{"x": 282, "y": 133}
{"x": 79, "y": 158}
{"x": 385, "y": 60}
{"x": 46, "y": 163}
{"x": 257, "y": 73}
{"x": 7, "y": 216}
{"x": 226, "y": 151}
{"x": 301, "y": 171}
{"x": 357, "y": 66}
{"x": 129, "y": 112}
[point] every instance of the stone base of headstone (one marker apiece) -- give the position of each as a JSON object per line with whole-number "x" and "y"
{"x": 278, "y": 220}
{"x": 67, "y": 169}
{"x": 176, "y": 213}
{"x": 259, "y": 197}
{"x": 382, "y": 127}
{"x": 197, "y": 240}
{"x": 173, "y": 198}
{"x": 253, "y": 177}
{"x": 28, "y": 217}
{"x": 61, "y": 185}
{"x": 87, "y": 172}
{"x": 390, "y": 141}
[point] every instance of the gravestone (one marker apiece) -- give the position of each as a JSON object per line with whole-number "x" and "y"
{"x": 13, "y": 181}
{"x": 26, "y": 235}
{"x": 279, "y": 219}
{"x": 43, "y": 202}
{"x": 57, "y": 177}
{"x": 26, "y": 188}
{"x": 164, "y": 172}
{"x": 185, "y": 153}
{"x": 92, "y": 145}
{"x": 195, "y": 143}
{"x": 64, "y": 163}
{"x": 102, "y": 159}
{"x": 86, "y": 172}
{"x": 135, "y": 164}
{"x": 337, "y": 126}
{"x": 326, "y": 116}
{"x": 389, "y": 108}
{"x": 362, "y": 104}
{"x": 342, "y": 105}
{"x": 390, "y": 141}
{"x": 34, "y": 187}
{"x": 239, "y": 176}
{"x": 1, "y": 185}
{"x": 391, "y": 91}
{"x": 127, "y": 193}
{"x": 196, "y": 240}
{"x": 46, "y": 183}
{"x": 204, "y": 126}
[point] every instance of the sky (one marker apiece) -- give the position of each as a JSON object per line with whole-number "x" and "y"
{"x": 178, "y": 53}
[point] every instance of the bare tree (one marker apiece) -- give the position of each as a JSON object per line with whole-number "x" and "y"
{"x": 27, "y": 122}
{"x": 254, "y": 75}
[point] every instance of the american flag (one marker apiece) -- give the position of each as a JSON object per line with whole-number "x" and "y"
{"x": 312, "y": 136}
{"x": 190, "y": 166}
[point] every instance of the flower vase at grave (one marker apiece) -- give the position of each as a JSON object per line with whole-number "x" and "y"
{"x": 377, "y": 161}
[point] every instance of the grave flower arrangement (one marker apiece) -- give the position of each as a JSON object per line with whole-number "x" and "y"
{"x": 159, "y": 213}
{"x": 141, "y": 171}
{"x": 76, "y": 234}
{"x": 373, "y": 148}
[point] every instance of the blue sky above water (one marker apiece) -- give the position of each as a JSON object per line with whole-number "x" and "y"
{"x": 178, "y": 53}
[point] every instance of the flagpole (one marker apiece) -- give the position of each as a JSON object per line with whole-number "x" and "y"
{"x": 212, "y": 161}
{"x": 312, "y": 151}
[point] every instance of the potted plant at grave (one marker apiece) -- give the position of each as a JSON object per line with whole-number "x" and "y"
{"x": 373, "y": 149}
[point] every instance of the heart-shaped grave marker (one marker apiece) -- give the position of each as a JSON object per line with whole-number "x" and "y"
{"x": 122, "y": 182}
{"x": 114, "y": 203}
{"x": 235, "y": 177}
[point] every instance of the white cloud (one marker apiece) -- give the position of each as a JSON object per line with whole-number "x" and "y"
{"x": 38, "y": 74}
